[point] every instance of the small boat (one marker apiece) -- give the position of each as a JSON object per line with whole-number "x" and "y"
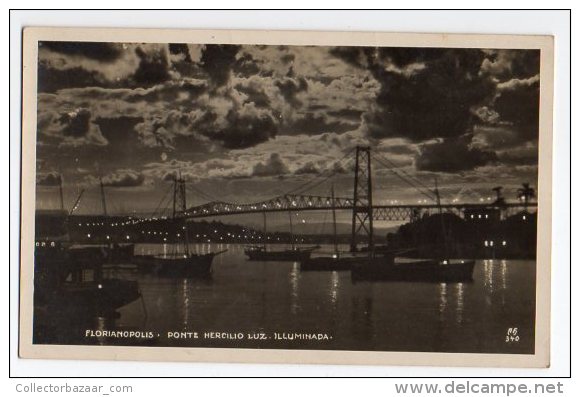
{"x": 113, "y": 253}
{"x": 70, "y": 279}
{"x": 334, "y": 262}
{"x": 428, "y": 270}
{"x": 259, "y": 253}
{"x": 293, "y": 254}
{"x": 178, "y": 264}
{"x": 120, "y": 253}
{"x": 415, "y": 270}
{"x": 337, "y": 261}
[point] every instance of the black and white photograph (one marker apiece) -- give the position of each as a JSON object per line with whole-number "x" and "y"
{"x": 286, "y": 197}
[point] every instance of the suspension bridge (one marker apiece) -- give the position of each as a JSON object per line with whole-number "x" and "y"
{"x": 299, "y": 200}
{"x": 364, "y": 210}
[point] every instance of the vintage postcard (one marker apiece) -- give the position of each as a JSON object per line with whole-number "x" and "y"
{"x": 292, "y": 197}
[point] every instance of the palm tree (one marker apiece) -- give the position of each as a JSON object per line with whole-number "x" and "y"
{"x": 526, "y": 193}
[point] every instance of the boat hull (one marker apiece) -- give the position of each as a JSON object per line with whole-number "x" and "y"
{"x": 192, "y": 266}
{"x": 287, "y": 255}
{"x": 328, "y": 264}
{"x": 122, "y": 253}
{"x": 420, "y": 271}
{"x": 99, "y": 298}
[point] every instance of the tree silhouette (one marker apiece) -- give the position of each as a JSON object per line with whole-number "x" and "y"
{"x": 526, "y": 193}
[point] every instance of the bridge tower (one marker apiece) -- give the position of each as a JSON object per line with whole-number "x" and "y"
{"x": 362, "y": 211}
{"x": 179, "y": 198}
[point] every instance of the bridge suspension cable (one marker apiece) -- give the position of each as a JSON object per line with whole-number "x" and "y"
{"x": 408, "y": 179}
{"x": 199, "y": 192}
{"x": 161, "y": 205}
{"x": 324, "y": 176}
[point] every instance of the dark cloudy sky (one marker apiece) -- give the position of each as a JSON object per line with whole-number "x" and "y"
{"x": 245, "y": 123}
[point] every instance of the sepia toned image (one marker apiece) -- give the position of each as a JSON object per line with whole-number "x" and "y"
{"x": 299, "y": 195}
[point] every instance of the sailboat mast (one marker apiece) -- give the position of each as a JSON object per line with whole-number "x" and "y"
{"x": 291, "y": 230}
{"x": 441, "y": 219}
{"x": 77, "y": 201}
{"x": 174, "y": 196}
{"x": 264, "y": 215}
{"x": 103, "y": 199}
{"x": 60, "y": 192}
{"x": 334, "y": 220}
{"x": 183, "y": 210}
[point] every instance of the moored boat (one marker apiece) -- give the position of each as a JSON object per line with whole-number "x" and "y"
{"x": 334, "y": 262}
{"x": 70, "y": 279}
{"x": 292, "y": 254}
{"x": 415, "y": 270}
{"x": 258, "y": 253}
{"x": 337, "y": 261}
{"x": 178, "y": 265}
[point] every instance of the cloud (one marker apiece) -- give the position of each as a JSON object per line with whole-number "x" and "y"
{"x": 318, "y": 123}
{"x": 518, "y": 103}
{"x": 245, "y": 126}
{"x": 526, "y": 154}
{"x": 217, "y": 61}
{"x": 52, "y": 79}
{"x": 425, "y": 93}
{"x": 48, "y": 179}
{"x": 307, "y": 168}
{"x": 290, "y": 87}
{"x": 452, "y": 155}
{"x": 246, "y": 65}
{"x": 180, "y": 49}
{"x": 104, "y": 52}
{"x": 73, "y": 64}
{"x": 124, "y": 178}
{"x": 72, "y": 128}
{"x": 274, "y": 166}
{"x": 153, "y": 67}
{"x": 508, "y": 64}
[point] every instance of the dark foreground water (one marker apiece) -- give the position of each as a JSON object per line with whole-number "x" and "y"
{"x": 278, "y": 306}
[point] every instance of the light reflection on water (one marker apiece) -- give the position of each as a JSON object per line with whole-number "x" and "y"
{"x": 294, "y": 283}
{"x": 442, "y": 299}
{"x": 334, "y": 285}
{"x": 459, "y": 300}
{"x": 249, "y": 296}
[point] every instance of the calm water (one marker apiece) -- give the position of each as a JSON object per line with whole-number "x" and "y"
{"x": 275, "y": 297}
